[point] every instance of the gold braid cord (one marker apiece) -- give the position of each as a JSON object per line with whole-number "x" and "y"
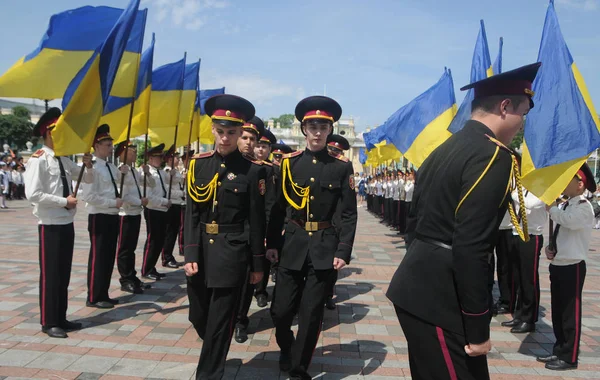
{"x": 523, "y": 232}
{"x": 302, "y": 192}
{"x": 201, "y": 194}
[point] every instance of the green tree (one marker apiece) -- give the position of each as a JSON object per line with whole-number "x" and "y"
{"x": 15, "y": 131}
{"x": 286, "y": 120}
{"x": 20, "y": 111}
{"x": 140, "y": 152}
{"x": 517, "y": 141}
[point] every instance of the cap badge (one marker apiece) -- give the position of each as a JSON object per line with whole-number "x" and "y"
{"x": 318, "y": 112}
{"x": 228, "y": 113}
{"x": 529, "y": 92}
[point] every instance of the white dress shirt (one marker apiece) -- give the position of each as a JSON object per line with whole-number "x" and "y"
{"x": 379, "y": 187}
{"x": 573, "y": 240}
{"x": 100, "y": 195}
{"x": 395, "y": 191}
{"x": 535, "y": 209}
{"x": 177, "y": 188}
{"x": 17, "y": 177}
{"x": 44, "y": 189}
{"x": 402, "y": 190}
{"x": 133, "y": 191}
{"x": 409, "y": 187}
{"x": 157, "y": 200}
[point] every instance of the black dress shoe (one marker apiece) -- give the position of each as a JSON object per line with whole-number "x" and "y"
{"x": 171, "y": 264}
{"x": 511, "y": 323}
{"x": 560, "y": 365}
{"x": 143, "y": 285}
{"x": 330, "y": 303}
{"x": 131, "y": 288}
{"x": 261, "y": 300}
{"x": 152, "y": 276}
{"x": 54, "y": 332}
{"x": 546, "y": 359}
{"x": 71, "y": 326}
{"x": 285, "y": 360}
{"x": 112, "y": 301}
{"x": 501, "y": 309}
{"x": 100, "y": 304}
{"x": 160, "y": 275}
{"x": 241, "y": 335}
{"x": 523, "y": 328}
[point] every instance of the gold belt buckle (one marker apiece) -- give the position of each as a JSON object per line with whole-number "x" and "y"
{"x": 212, "y": 229}
{"x": 311, "y": 226}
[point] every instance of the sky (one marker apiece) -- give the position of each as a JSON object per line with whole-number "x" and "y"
{"x": 371, "y": 56}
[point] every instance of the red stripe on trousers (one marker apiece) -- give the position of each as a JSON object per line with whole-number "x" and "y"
{"x": 147, "y": 243}
{"x": 93, "y": 258}
{"x": 181, "y": 230}
{"x": 43, "y": 305}
{"x": 535, "y": 275}
{"x": 446, "y": 353}
{"x": 577, "y": 316}
{"x": 121, "y": 219}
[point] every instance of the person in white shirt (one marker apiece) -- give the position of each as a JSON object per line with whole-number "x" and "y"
{"x": 103, "y": 202}
{"x": 505, "y": 269}
{"x": 409, "y": 188}
{"x": 155, "y": 214}
{"x": 379, "y": 188}
{"x": 18, "y": 180}
{"x": 175, "y": 193}
{"x": 130, "y": 218}
{"x": 402, "y": 203}
{"x": 567, "y": 253}
{"x": 47, "y": 179}
{"x": 526, "y": 261}
{"x": 395, "y": 199}
{"x": 4, "y": 184}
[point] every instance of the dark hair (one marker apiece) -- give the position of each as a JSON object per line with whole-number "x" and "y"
{"x": 488, "y": 103}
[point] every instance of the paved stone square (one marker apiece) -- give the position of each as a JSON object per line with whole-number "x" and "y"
{"x": 149, "y": 337}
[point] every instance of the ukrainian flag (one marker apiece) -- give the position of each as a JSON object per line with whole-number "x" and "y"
{"x": 191, "y": 85}
{"x": 481, "y": 68}
{"x": 362, "y": 156}
{"x": 382, "y": 153}
{"x": 374, "y": 136}
{"x": 203, "y": 122}
{"x": 497, "y": 65}
{"x": 563, "y": 128}
{"x": 116, "y": 112}
{"x": 71, "y": 39}
{"x": 419, "y": 127}
{"x": 167, "y": 87}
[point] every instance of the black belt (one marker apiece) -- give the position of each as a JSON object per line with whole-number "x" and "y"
{"x": 312, "y": 226}
{"x": 433, "y": 241}
{"x": 215, "y": 229}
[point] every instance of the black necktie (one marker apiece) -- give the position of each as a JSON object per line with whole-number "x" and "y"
{"x": 63, "y": 178}
{"x": 136, "y": 182}
{"x": 112, "y": 178}
{"x": 162, "y": 184}
{"x": 556, "y": 230}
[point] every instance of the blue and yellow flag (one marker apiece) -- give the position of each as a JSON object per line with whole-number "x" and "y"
{"x": 563, "y": 128}
{"x": 497, "y": 65}
{"x": 116, "y": 112}
{"x": 167, "y": 88}
{"x": 191, "y": 85}
{"x": 481, "y": 68}
{"x": 71, "y": 39}
{"x": 419, "y": 127}
{"x": 374, "y": 136}
{"x": 87, "y": 95}
{"x": 362, "y": 156}
{"x": 382, "y": 154}
{"x": 202, "y": 122}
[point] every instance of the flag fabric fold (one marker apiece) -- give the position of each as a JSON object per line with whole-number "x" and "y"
{"x": 189, "y": 96}
{"x": 88, "y": 93}
{"x": 419, "y": 127}
{"x": 202, "y": 122}
{"x": 563, "y": 128}
{"x": 71, "y": 39}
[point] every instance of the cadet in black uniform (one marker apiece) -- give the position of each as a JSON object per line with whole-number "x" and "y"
{"x": 336, "y": 144}
{"x": 440, "y": 290}
{"x": 312, "y": 183}
{"x": 278, "y": 150}
{"x": 251, "y": 132}
{"x": 224, "y": 231}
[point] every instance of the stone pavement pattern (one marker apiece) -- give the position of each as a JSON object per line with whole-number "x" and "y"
{"x": 149, "y": 336}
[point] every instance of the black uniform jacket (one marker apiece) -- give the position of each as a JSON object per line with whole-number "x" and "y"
{"x": 224, "y": 258}
{"x": 331, "y": 180}
{"x": 460, "y": 198}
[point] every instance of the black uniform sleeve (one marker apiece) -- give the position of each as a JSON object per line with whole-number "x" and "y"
{"x": 483, "y": 187}
{"x": 192, "y": 233}
{"x": 277, "y": 216}
{"x": 257, "y": 219}
{"x": 348, "y": 216}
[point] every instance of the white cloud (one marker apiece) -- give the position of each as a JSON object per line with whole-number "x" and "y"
{"x": 586, "y": 5}
{"x": 189, "y": 14}
{"x": 259, "y": 90}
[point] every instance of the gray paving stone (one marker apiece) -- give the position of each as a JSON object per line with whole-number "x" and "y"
{"x": 89, "y": 376}
{"x": 18, "y": 358}
{"x": 169, "y": 370}
{"x": 159, "y": 336}
{"x": 53, "y": 360}
{"x": 170, "y": 350}
{"x": 93, "y": 364}
{"x": 133, "y": 367}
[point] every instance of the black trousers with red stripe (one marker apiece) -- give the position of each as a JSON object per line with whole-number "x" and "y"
{"x": 527, "y": 263}
{"x": 506, "y": 250}
{"x": 402, "y": 216}
{"x": 104, "y": 233}
{"x": 566, "y": 286}
{"x": 212, "y": 313}
{"x": 129, "y": 232}
{"x": 395, "y": 213}
{"x": 156, "y": 222}
{"x": 56, "y": 258}
{"x": 301, "y": 292}
{"x": 173, "y": 229}
{"x": 437, "y": 354}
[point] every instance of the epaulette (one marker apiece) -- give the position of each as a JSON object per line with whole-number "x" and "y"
{"x": 257, "y": 162}
{"x": 293, "y": 154}
{"x": 267, "y": 163}
{"x": 340, "y": 157}
{"x": 502, "y": 146}
{"x": 204, "y": 155}
{"x": 38, "y": 153}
